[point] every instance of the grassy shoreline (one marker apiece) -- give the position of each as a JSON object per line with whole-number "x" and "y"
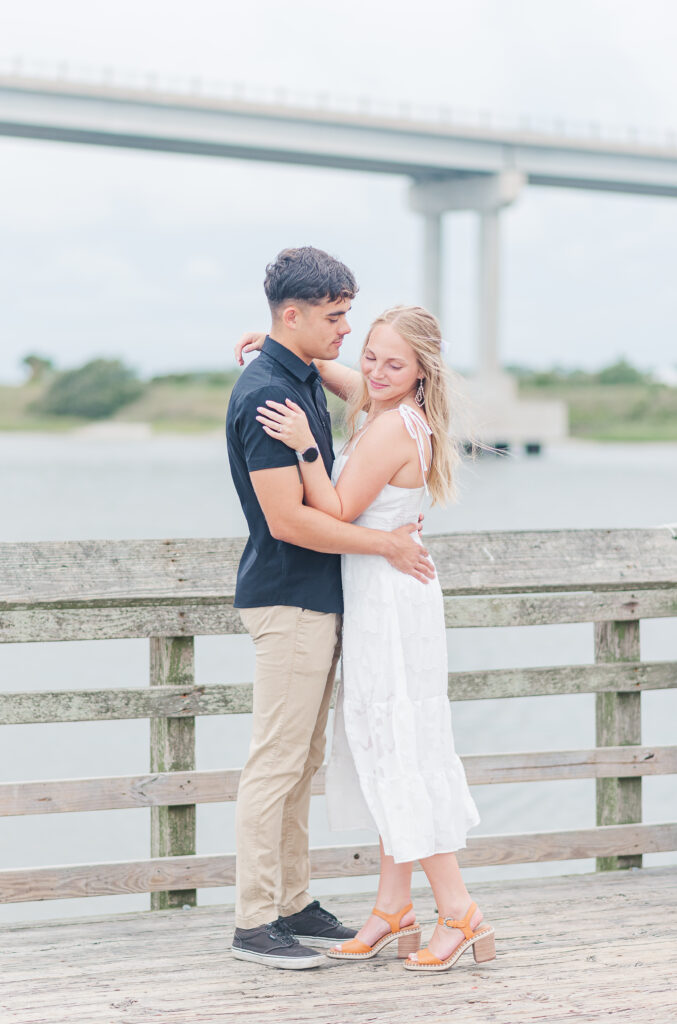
{"x": 639, "y": 412}
{"x": 615, "y": 412}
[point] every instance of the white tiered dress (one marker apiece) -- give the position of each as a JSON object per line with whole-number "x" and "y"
{"x": 393, "y": 766}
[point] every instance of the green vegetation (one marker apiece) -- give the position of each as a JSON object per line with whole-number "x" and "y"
{"x": 618, "y": 403}
{"x": 619, "y": 412}
{"x": 95, "y": 391}
{"x": 16, "y": 410}
{"x": 181, "y": 402}
{"x": 37, "y": 366}
{"x": 620, "y": 372}
{"x": 186, "y": 402}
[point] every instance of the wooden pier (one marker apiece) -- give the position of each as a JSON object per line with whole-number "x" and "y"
{"x": 582, "y": 948}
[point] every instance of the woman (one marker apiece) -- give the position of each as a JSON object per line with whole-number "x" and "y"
{"x": 393, "y": 762}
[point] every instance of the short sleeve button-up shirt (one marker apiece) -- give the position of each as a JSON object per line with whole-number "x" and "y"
{"x": 272, "y": 571}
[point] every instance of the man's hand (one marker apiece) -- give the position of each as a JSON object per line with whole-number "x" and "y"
{"x": 249, "y": 342}
{"x": 407, "y": 556}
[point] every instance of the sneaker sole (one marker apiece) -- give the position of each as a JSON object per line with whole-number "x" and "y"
{"x": 318, "y": 940}
{"x": 285, "y": 963}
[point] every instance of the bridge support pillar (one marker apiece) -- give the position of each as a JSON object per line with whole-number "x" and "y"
{"x": 487, "y": 194}
{"x": 432, "y": 263}
{"x": 488, "y": 294}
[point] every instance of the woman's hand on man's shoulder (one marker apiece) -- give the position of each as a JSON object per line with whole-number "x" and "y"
{"x": 251, "y": 341}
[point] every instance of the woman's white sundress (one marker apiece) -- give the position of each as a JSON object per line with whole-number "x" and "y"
{"x": 393, "y": 765}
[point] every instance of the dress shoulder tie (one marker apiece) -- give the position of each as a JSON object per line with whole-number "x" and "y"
{"x": 418, "y": 429}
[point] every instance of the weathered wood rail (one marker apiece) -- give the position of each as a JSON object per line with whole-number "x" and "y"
{"x": 172, "y": 591}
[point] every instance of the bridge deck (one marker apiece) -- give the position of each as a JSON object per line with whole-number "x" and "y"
{"x": 576, "y": 948}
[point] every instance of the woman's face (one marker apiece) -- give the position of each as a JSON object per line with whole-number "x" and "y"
{"x": 389, "y": 366}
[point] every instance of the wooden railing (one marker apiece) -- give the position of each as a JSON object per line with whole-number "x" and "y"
{"x": 172, "y": 591}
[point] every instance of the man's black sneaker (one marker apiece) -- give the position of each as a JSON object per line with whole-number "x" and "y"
{"x": 274, "y": 944}
{"x": 317, "y": 927}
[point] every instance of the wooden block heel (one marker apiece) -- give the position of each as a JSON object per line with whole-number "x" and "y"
{"x": 482, "y": 942}
{"x": 410, "y": 943}
{"x": 484, "y": 949}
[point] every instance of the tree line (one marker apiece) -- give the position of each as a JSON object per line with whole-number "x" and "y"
{"x": 101, "y": 387}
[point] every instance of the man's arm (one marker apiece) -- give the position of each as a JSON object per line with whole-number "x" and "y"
{"x": 280, "y": 495}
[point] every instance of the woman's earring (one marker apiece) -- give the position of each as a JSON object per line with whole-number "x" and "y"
{"x": 419, "y": 397}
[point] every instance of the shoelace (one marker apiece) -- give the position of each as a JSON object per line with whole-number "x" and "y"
{"x": 282, "y": 932}
{"x": 320, "y": 912}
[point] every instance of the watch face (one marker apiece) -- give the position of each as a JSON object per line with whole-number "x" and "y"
{"x": 310, "y": 454}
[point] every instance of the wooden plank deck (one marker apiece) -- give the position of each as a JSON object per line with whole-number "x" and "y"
{"x": 582, "y": 948}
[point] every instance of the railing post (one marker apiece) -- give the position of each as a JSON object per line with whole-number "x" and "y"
{"x": 618, "y": 723}
{"x": 172, "y": 749}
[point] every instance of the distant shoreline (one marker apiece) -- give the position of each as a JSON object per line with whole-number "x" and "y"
{"x": 633, "y": 413}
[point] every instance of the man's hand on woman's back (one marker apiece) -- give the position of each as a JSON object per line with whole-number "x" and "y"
{"x": 408, "y": 556}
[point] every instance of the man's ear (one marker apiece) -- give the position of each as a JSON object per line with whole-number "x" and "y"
{"x": 289, "y": 317}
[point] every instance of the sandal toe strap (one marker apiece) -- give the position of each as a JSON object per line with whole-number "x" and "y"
{"x": 424, "y": 956}
{"x": 353, "y": 946}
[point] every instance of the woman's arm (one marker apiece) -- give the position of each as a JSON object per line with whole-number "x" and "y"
{"x": 384, "y": 450}
{"x": 341, "y": 380}
{"x": 338, "y": 379}
{"x": 289, "y": 424}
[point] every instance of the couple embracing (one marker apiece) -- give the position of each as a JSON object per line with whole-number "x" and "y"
{"x": 393, "y": 767}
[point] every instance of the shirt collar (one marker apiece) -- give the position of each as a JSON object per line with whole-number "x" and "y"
{"x": 302, "y": 371}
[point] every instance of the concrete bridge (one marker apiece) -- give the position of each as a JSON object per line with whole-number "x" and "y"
{"x": 450, "y": 166}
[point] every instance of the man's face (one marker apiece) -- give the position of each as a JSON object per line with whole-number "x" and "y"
{"x": 321, "y": 328}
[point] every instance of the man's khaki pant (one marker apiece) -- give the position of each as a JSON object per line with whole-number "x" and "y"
{"x": 296, "y": 655}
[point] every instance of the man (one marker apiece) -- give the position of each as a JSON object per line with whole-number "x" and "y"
{"x": 289, "y": 595}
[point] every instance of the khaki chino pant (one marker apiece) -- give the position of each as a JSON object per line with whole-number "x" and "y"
{"x": 296, "y": 655}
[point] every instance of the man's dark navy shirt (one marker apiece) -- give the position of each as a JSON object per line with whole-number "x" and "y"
{"x": 273, "y": 571}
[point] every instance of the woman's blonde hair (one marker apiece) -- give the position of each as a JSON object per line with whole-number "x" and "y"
{"x": 421, "y": 330}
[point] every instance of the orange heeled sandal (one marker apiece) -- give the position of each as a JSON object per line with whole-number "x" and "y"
{"x": 482, "y": 942}
{"x": 408, "y": 939}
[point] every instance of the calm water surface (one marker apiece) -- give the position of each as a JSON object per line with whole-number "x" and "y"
{"x": 59, "y": 488}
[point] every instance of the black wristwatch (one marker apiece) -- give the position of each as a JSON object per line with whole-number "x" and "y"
{"x": 309, "y": 455}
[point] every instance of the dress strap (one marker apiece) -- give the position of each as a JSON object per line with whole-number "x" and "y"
{"x": 418, "y": 429}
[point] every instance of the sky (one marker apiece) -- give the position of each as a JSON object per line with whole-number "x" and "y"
{"x": 159, "y": 259}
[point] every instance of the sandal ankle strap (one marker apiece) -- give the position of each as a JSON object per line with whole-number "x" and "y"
{"x": 463, "y": 925}
{"x": 393, "y": 919}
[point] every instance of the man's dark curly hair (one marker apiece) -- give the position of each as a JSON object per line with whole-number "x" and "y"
{"x": 309, "y": 275}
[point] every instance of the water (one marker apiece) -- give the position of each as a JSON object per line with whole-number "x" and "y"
{"x": 57, "y": 488}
